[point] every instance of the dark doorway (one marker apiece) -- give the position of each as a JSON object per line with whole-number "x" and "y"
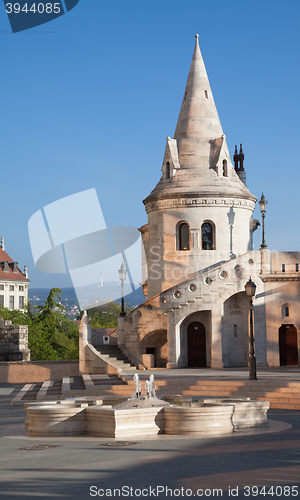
{"x": 288, "y": 345}
{"x": 152, "y": 350}
{"x": 196, "y": 340}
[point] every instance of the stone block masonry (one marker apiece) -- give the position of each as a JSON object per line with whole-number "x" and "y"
{"x": 13, "y": 342}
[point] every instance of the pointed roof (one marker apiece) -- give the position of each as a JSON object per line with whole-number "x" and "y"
{"x": 198, "y": 118}
{"x": 201, "y": 145}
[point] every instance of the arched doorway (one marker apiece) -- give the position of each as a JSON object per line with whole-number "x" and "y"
{"x": 196, "y": 340}
{"x": 288, "y": 345}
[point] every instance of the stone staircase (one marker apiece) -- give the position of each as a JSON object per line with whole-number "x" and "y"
{"x": 282, "y": 393}
{"x": 114, "y": 355}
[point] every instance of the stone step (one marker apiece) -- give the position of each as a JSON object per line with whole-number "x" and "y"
{"x": 114, "y": 355}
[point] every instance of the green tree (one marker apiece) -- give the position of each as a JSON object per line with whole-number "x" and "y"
{"x": 106, "y": 316}
{"x": 52, "y": 336}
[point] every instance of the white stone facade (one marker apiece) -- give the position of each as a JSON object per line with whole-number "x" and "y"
{"x": 13, "y": 282}
{"x": 198, "y": 255}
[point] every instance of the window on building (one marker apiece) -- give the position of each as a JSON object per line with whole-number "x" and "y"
{"x": 11, "y": 302}
{"x": 21, "y": 302}
{"x": 1, "y": 300}
{"x": 1, "y": 287}
{"x": 183, "y": 236}
{"x": 225, "y": 172}
{"x": 21, "y": 288}
{"x": 11, "y": 288}
{"x": 207, "y": 231}
{"x": 235, "y": 330}
{"x": 287, "y": 311}
{"x": 168, "y": 170}
{"x": 297, "y": 268}
{"x": 283, "y": 268}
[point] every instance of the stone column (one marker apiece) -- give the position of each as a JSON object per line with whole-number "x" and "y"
{"x": 173, "y": 335}
{"x": 84, "y": 333}
{"x": 216, "y": 340}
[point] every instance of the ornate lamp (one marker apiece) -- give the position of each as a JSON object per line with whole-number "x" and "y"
{"x": 263, "y": 208}
{"x": 250, "y": 289}
{"x": 122, "y": 278}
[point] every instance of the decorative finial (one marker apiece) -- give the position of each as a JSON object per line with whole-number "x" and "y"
{"x": 196, "y": 36}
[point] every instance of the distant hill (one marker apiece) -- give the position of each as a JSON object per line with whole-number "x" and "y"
{"x": 38, "y": 296}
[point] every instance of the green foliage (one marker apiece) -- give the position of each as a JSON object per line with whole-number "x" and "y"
{"x": 106, "y": 316}
{"x": 52, "y": 336}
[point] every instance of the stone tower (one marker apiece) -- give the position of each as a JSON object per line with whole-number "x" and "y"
{"x": 200, "y": 212}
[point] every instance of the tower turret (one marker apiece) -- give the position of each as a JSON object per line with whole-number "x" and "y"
{"x": 190, "y": 211}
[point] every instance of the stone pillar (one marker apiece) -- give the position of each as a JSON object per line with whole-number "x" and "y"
{"x": 173, "y": 338}
{"x": 265, "y": 256}
{"x": 216, "y": 340}
{"x": 84, "y": 334}
{"x": 121, "y": 340}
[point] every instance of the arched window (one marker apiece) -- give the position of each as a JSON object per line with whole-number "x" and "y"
{"x": 168, "y": 170}
{"x": 286, "y": 311}
{"x": 207, "y": 232}
{"x": 183, "y": 236}
{"x": 225, "y": 173}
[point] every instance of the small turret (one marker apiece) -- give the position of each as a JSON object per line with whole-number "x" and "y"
{"x": 2, "y": 243}
{"x": 238, "y": 159}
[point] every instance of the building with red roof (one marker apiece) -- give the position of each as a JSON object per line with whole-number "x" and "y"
{"x": 13, "y": 282}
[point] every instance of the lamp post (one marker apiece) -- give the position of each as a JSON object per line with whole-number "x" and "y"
{"x": 263, "y": 208}
{"x": 122, "y": 277}
{"x": 250, "y": 288}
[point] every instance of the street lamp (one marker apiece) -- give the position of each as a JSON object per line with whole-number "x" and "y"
{"x": 250, "y": 288}
{"x": 122, "y": 277}
{"x": 263, "y": 208}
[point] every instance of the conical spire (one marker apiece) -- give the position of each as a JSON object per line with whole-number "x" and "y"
{"x": 198, "y": 123}
{"x": 202, "y": 166}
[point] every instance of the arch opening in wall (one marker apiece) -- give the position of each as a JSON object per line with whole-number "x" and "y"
{"x": 183, "y": 236}
{"x": 156, "y": 344}
{"x": 225, "y": 171}
{"x": 168, "y": 170}
{"x": 208, "y": 236}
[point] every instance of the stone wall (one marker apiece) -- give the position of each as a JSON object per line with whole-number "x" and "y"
{"x": 13, "y": 342}
{"x": 25, "y": 372}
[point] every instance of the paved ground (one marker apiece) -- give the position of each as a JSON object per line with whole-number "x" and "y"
{"x": 84, "y": 468}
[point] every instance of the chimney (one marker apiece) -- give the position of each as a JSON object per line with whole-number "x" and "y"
{"x": 2, "y": 243}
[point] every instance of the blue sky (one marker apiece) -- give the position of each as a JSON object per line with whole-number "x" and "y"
{"x": 88, "y": 100}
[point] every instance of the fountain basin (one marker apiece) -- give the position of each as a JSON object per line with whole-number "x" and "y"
{"x": 123, "y": 423}
{"x": 247, "y": 412}
{"x": 55, "y": 420}
{"x": 200, "y": 419}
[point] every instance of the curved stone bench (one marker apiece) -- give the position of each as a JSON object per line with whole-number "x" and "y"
{"x": 210, "y": 419}
{"x": 55, "y": 420}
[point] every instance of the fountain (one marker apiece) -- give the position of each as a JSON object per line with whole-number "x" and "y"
{"x": 144, "y": 415}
